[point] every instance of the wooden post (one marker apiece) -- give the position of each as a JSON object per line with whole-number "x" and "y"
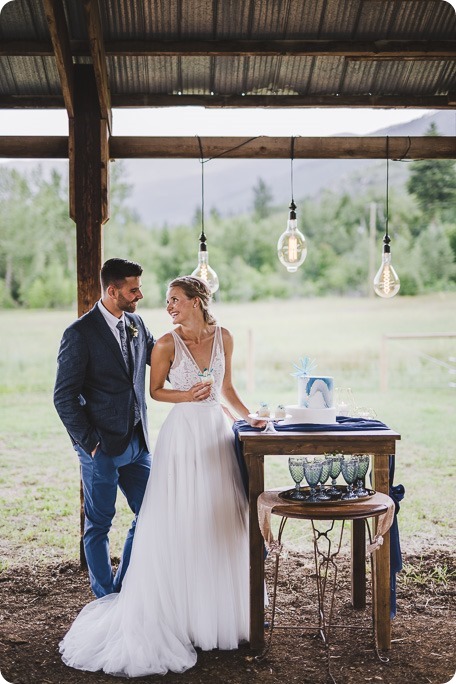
{"x": 88, "y": 155}
{"x": 88, "y": 152}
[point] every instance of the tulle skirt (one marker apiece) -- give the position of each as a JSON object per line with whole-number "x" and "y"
{"x": 187, "y": 582}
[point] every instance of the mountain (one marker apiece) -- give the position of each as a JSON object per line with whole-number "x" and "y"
{"x": 169, "y": 190}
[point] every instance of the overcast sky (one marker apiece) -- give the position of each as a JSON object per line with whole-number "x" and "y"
{"x": 229, "y": 122}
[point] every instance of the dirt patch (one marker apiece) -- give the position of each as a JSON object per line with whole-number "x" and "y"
{"x": 39, "y": 604}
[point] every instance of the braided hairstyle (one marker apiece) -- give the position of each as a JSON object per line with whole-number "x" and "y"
{"x": 196, "y": 287}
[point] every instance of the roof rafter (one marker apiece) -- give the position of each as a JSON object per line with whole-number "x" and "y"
{"x": 243, "y": 101}
{"x": 97, "y": 51}
{"x": 60, "y": 40}
{"x": 364, "y": 50}
{"x": 288, "y": 101}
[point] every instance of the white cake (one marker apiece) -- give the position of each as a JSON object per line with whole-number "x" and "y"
{"x": 315, "y": 401}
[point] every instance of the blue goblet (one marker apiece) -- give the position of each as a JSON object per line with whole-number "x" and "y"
{"x": 325, "y": 466}
{"x": 296, "y": 468}
{"x": 349, "y": 469}
{"x": 334, "y": 472}
{"x": 312, "y": 473}
{"x": 363, "y": 467}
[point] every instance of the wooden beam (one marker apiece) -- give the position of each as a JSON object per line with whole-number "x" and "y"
{"x": 60, "y": 39}
{"x": 97, "y": 51}
{"x": 365, "y": 50}
{"x": 88, "y": 192}
{"x": 262, "y": 147}
{"x": 32, "y": 102}
{"x": 34, "y": 147}
{"x": 133, "y": 100}
{"x": 245, "y": 101}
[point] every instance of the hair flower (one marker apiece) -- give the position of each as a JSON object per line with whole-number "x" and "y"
{"x": 305, "y": 367}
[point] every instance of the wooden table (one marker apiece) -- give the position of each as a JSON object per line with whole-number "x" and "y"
{"x": 380, "y": 444}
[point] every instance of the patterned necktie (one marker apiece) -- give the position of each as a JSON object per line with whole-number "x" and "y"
{"x": 123, "y": 343}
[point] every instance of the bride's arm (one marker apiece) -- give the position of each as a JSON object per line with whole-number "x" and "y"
{"x": 161, "y": 360}
{"x": 228, "y": 389}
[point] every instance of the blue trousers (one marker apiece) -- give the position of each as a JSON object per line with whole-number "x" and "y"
{"x": 101, "y": 475}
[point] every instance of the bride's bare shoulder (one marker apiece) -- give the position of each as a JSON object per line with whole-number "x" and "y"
{"x": 165, "y": 343}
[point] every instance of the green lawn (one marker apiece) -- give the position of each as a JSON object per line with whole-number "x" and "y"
{"x": 39, "y": 478}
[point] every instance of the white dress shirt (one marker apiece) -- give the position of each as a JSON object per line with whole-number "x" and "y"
{"x": 112, "y": 321}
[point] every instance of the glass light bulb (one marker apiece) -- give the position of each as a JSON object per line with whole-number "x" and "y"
{"x": 292, "y": 247}
{"x": 205, "y": 272}
{"x": 386, "y": 282}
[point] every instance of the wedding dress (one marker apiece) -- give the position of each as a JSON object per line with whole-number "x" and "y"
{"x": 187, "y": 582}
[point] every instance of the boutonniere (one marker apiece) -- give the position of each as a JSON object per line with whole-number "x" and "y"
{"x": 133, "y": 330}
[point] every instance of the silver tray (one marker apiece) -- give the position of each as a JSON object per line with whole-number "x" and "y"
{"x": 335, "y": 499}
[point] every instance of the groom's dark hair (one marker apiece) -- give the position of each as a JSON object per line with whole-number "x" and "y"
{"x": 114, "y": 271}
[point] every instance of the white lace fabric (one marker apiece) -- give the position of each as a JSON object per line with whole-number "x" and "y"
{"x": 184, "y": 371}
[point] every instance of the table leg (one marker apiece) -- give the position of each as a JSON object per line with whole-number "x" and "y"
{"x": 255, "y": 465}
{"x": 381, "y": 579}
{"x": 358, "y": 564}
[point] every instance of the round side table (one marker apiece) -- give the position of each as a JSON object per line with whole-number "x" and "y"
{"x": 322, "y": 517}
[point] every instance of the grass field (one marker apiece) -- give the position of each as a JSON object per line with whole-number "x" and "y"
{"x": 39, "y": 478}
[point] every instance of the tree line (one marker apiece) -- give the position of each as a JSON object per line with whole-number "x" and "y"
{"x": 37, "y": 240}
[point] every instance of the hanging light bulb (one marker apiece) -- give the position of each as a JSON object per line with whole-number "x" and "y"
{"x": 292, "y": 246}
{"x": 386, "y": 281}
{"x": 203, "y": 270}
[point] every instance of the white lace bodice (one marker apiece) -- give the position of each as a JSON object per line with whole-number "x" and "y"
{"x": 183, "y": 373}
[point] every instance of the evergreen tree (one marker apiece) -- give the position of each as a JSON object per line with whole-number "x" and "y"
{"x": 262, "y": 199}
{"x": 433, "y": 182}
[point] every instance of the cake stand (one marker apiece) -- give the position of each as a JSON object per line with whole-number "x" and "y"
{"x": 270, "y": 421}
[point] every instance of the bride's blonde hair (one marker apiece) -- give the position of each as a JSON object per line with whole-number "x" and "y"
{"x": 196, "y": 287}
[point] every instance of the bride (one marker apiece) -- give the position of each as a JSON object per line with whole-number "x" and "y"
{"x": 187, "y": 582}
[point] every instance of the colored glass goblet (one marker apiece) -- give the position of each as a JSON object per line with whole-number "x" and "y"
{"x": 296, "y": 468}
{"x": 349, "y": 467}
{"x": 312, "y": 473}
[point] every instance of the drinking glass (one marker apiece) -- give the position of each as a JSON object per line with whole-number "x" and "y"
{"x": 365, "y": 412}
{"x": 349, "y": 467}
{"x": 363, "y": 467}
{"x": 312, "y": 473}
{"x": 325, "y": 466}
{"x": 296, "y": 468}
{"x": 345, "y": 404}
{"x": 334, "y": 471}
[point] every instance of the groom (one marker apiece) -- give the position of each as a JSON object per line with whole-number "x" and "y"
{"x": 99, "y": 395}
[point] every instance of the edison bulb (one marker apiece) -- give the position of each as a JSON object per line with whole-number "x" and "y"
{"x": 205, "y": 272}
{"x": 292, "y": 246}
{"x": 386, "y": 282}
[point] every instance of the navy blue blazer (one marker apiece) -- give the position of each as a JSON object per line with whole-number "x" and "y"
{"x": 94, "y": 392}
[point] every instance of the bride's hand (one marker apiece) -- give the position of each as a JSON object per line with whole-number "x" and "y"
{"x": 200, "y": 391}
{"x": 257, "y": 422}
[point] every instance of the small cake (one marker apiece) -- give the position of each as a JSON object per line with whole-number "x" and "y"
{"x": 315, "y": 396}
{"x": 280, "y": 412}
{"x": 263, "y": 411}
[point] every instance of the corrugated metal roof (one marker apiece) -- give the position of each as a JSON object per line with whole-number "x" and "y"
{"x": 268, "y": 20}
